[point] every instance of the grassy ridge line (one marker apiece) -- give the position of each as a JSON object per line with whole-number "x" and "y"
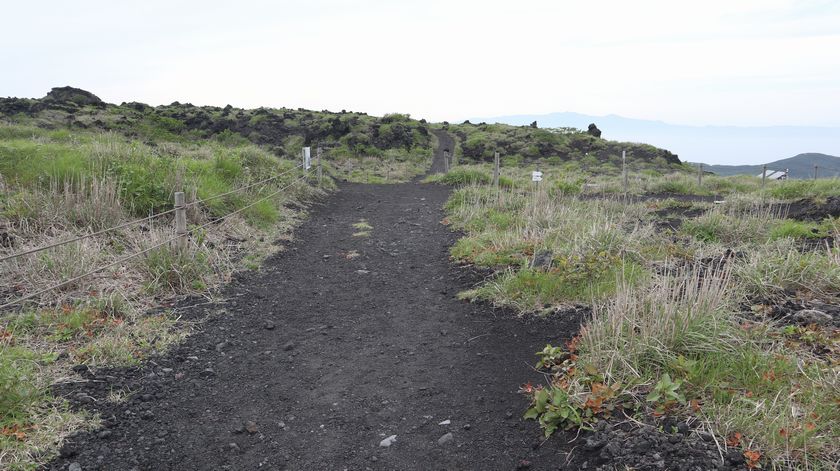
{"x": 56, "y": 183}
{"x": 669, "y": 335}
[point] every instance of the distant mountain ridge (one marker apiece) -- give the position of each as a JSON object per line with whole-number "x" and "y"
{"x": 722, "y": 145}
{"x": 799, "y": 166}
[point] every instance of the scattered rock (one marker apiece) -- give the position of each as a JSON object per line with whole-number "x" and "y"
{"x": 208, "y": 373}
{"x": 74, "y": 467}
{"x": 388, "y": 441}
{"x": 67, "y": 450}
{"x": 812, "y": 316}
{"x": 446, "y": 438}
{"x": 269, "y": 325}
{"x": 735, "y": 457}
{"x": 233, "y": 447}
{"x": 594, "y": 442}
{"x": 251, "y": 427}
{"x": 84, "y": 398}
{"x": 105, "y": 434}
{"x": 288, "y": 346}
{"x": 542, "y": 259}
{"x": 445, "y": 422}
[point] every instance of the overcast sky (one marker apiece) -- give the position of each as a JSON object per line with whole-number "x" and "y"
{"x": 741, "y": 62}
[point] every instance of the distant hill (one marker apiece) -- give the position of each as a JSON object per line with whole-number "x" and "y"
{"x": 346, "y": 134}
{"x": 712, "y": 144}
{"x": 800, "y": 166}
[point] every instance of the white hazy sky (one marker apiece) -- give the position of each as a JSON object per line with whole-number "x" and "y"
{"x": 741, "y": 62}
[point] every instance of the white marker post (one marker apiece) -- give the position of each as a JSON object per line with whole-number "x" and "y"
{"x": 307, "y": 158}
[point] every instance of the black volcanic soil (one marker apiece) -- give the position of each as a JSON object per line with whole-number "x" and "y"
{"x": 341, "y": 341}
{"x": 327, "y": 356}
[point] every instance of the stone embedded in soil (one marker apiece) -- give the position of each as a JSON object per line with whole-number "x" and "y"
{"x": 251, "y": 427}
{"x": 594, "y": 442}
{"x": 208, "y": 373}
{"x": 735, "y": 457}
{"x": 812, "y": 316}
{"x": 388, "y": 441}
{"x": 446, "y": 438}
{"x": 542, "y": 259}
{"x": 288, "y": 346}
{"x": 74, "y": 467}
{"x": 269, "y": 325}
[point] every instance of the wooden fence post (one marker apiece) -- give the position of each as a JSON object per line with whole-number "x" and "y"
{"x": 180, "y": 220}
{"x": 446, "y": 160}
{"x": 763, "y": 176}
{"x": 624, "y": 170}
{"x": 699, "y": 175}
{"x": 496, "y": 171}
{"x": 318, "y": 158}
{"x": 815, "y": 171}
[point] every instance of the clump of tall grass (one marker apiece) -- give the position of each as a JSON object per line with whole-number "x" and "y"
{"x": 737, "y": 379}
{"x": 781, "y": 268}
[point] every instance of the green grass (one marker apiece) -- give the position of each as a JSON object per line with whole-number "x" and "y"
{"x": 579, "y": 282}
{"x": 797, "y": 230}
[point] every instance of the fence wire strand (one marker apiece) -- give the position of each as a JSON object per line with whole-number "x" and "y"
{"x": 141, "y": 220}
{"x": 218, "y": 221}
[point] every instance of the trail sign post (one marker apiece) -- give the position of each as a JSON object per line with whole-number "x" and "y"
{"x": 307, "y": 158}
{"x": 536, "y": 176}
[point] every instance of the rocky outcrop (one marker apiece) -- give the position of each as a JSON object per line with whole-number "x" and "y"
{"x": 73, "y": 95}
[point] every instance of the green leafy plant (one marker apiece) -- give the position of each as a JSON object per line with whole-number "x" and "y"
{"x": 553, "y": 408}
{"x": 666, "y": 392}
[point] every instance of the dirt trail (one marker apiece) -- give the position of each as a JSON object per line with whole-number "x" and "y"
{"x": 327, "y": 354}
{"x": 445, "y": 143}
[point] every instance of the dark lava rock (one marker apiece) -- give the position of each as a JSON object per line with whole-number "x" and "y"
{"x": 7, "y": 240}
{"x": 735, "y": 457}
{"x": 593, "y": 130}
{"x": 593, "y": 443}
{"x": 73, "y": 95}
{"x": 289, "y": 346}
{"x": 542, "y": 259}
{"x": 812, "y": 316}
{"x": 208, "y": 373}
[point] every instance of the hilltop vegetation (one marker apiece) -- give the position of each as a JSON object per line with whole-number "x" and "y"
{"x": 350, "y": 139}
{"x": 569, "y": 148}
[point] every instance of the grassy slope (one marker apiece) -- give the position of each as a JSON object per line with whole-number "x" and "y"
{"x": 665, "y": 339}
{"x": 62, "y": 182}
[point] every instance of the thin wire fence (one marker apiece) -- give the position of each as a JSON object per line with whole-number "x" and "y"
{"x": 217, "y": 222}
{"x": 142, "y": 220}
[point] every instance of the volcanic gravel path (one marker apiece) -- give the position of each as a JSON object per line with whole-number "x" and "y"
{"x": 335, "y": 344}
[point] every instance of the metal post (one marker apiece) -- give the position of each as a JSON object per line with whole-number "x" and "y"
{"x": 318, "y": 158}
{"x": 496, "y": 171}
{"x": 181, "y": 220}
{"x": 763, "y": 176}
{"x": 815, "y": 171}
